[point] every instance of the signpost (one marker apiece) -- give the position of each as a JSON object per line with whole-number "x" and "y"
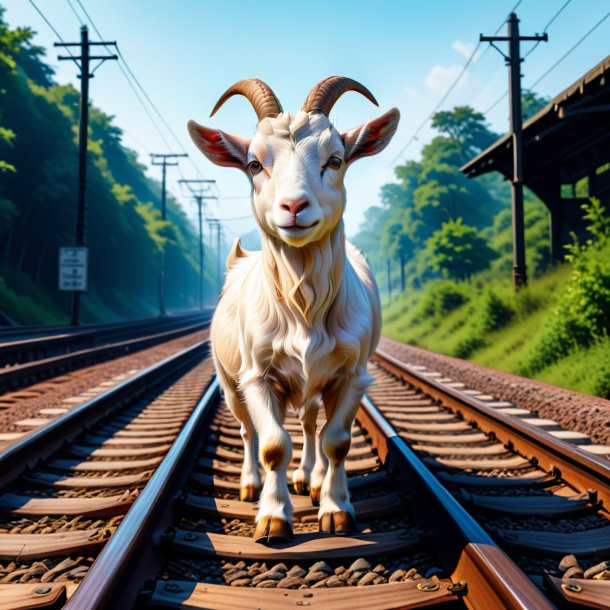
{"x": 73, "y": 269}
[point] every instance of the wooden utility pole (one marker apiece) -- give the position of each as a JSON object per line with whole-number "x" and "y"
{"x": 164, "y": 163}
{"x": 197, "y": 188}
{"x": 389, "y": 280}
{"x": 513, "y": 61}
{"x": 83, "y": 62}
{"x": 215, "y": 222}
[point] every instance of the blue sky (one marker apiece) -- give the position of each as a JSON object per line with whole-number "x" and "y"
{"x": 185, "y": 53}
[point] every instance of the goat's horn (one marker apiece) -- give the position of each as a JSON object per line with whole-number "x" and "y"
{"x": 325, "y": 94}
{"x": 259, "y": 95}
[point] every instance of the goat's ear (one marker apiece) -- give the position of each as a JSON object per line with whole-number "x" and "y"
{"x": 220, "y": 147}
{"x": 370, "y": 138}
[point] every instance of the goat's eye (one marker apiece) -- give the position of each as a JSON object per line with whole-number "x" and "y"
{"x": 255, "y": 167}
{"x": 335, "y": 162}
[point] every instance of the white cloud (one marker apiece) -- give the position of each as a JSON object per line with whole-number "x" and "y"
{"x": 440, "y": 78}
{"x": 463, "y": 48}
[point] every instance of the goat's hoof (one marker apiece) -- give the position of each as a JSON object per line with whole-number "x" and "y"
{"x": 301, "y": 488}
{"x": 249, "y": 493}
{"x": 272, "y": 530}
{"x": 314, "y": 494}
{"x": 340, "y": 523}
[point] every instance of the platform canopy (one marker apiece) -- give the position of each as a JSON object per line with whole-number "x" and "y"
{"x": 566, "y": 153}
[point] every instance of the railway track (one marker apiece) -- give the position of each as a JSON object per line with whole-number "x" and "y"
{"x": 32, "y": 359}
{"x": 83, "y": 472}
{"x": 541, "y": 498}
{"x": 456, "y": 505}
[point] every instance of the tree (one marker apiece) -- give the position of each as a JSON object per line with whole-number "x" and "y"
{"x": 457, "y": 251}
{"x": 466, "y": 127}
{"x": 531, "y": 103}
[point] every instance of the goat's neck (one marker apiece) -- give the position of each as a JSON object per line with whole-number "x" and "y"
{"x": 305, "y": 281}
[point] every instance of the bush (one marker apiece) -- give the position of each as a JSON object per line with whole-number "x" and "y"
{"x": 583, "y": 315}
{"x": 441, "y": 298}
{"x": 466, "y": 347}
{"x": 495, "y": 313}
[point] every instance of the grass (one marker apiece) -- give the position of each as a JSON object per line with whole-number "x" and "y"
{"x": 495, "y": 327}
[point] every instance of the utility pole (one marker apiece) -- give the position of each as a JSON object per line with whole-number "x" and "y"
{"x": 389, "y": 280}
{"x": 164, "y": 162}
{"x": 197, "y": 188}
{"x": 215, "y": 222}
{"x": 84, "y": 58}
{"x": 513, "y": 61}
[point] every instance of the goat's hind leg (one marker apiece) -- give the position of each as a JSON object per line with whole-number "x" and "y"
{"x": 250, "y": 483}
{"x": 301, "y": 476}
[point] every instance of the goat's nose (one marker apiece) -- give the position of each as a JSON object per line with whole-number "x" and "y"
{"x": 294, "y": 206}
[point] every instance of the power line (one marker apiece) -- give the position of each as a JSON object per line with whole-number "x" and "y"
{"x": 558, "y": 61}
{"x": 440, "y": 103}
{"x": 448, "y": 92}
{"x": 78, "y": 17}
{"x": 570, "y": 50}
{"x": 143, "y": 92}
{"x": 546, "y": 27}
{"x": 53, "y": 30}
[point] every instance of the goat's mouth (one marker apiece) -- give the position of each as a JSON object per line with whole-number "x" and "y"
{"x": 296, "y": 227}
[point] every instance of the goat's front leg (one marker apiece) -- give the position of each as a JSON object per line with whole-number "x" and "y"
{"x": 341, "y": 401}
{"x": 274, "y": 518}
{"x": 250, "y": 482}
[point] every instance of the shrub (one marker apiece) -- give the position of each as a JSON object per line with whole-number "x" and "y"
{"x": 466, "y": 347}
{"x": 495, "y": 313}
{"x": 583, "y": 315}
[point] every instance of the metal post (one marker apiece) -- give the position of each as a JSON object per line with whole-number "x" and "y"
{"x": 83, "y": 129}
{"x": 513, "y": 61}
{"x": 164, "y": 163}
{"x": 218, "y": 272}
{"x": 389, "y": 281}
{"x": 516, "y": 123}
{"x": 197, "y": 187}
{"x": 199, "y": 200}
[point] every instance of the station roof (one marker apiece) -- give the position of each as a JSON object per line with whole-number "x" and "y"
{"x": 564, "y": 141}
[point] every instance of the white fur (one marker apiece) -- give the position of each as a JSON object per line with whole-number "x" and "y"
{"x": 297, "y": 322}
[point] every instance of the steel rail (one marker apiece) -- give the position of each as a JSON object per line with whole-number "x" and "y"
{"x": 122, "y": 557}
{"x": 469, "y": 555}
{"x": 582, "y": 469}
{"x": 44, "y": 441}
{"x": 17, "y": 375}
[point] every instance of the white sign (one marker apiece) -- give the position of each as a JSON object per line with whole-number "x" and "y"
{"x": 73, "y": 268}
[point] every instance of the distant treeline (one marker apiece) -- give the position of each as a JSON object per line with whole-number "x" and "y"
{"x": 38, "y": 181}
{"x": 434, "y": 222}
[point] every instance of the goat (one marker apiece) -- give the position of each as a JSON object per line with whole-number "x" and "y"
{"x": 296, "y": 322}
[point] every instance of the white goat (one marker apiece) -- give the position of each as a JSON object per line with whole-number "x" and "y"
{"x": 296, "y": 322}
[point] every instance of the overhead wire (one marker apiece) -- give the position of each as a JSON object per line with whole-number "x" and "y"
{"x": 569, "y": 51}
{"x": 128, "y": 72}
{"x": 44, "y": 18}
{"x": 448, "y": 92}
{"x": 142, "y": 95}
{"x": 544, "y": 31}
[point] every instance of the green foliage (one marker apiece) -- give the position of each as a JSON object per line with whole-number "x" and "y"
{"x": 466, "y": 127}
{"x": 442, "y": 298}
{"x": 495, "y": 312}
{"x": 428, "y": 194}
{"x": 457, "y": 251}
{"x": 125, "y": 234}
{"x": 531, "y": 103}
{"x": 582, "y": 316}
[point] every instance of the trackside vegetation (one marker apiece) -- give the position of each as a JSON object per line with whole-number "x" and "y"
{"x": 441, "y": 248}
{"x": 38, "y": 179}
